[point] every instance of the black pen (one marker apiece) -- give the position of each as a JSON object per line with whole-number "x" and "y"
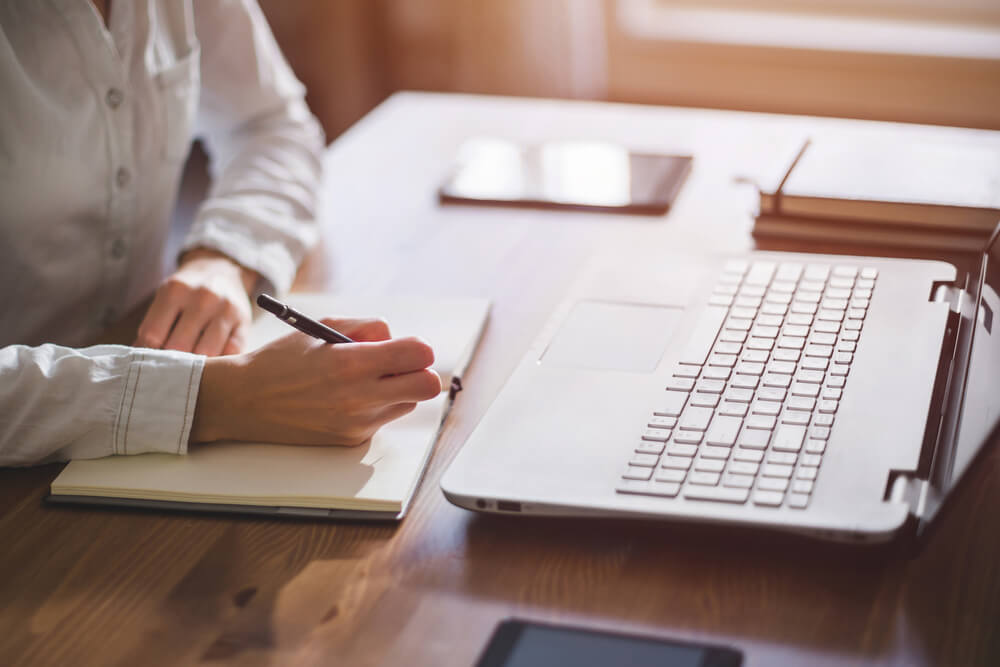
{"x": 301, "y": 322}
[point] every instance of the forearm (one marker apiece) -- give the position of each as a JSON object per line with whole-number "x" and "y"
{"x": 59, "y": 403}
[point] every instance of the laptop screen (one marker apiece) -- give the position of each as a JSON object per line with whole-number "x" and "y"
{"x": 973, "y": 409}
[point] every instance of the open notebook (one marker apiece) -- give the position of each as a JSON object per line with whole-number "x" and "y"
{"x": 373, "y": 481}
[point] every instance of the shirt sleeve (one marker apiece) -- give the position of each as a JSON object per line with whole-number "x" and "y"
{"x": 263, "y": 142}
{"x": 59, "y": 403}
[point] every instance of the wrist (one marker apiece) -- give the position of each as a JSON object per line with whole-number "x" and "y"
{"x": 216, "y": 415}
{"x": 248, "y": 277}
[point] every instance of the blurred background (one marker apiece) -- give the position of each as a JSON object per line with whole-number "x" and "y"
{"x": 925, "y": 61}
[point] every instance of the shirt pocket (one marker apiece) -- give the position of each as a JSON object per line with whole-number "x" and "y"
{"x": 178, "y": 87}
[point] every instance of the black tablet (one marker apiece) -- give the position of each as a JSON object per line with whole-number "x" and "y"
{"x": 517, "y": 643}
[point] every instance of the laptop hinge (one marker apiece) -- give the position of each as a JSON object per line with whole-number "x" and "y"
{"x": 917, "y": 493}
{"x": 957, "y": 298}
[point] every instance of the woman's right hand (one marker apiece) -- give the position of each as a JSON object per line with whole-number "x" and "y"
{"x": 300, "y": 390}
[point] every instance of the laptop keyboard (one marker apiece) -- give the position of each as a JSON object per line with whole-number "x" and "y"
{"x": 748, "y": 412}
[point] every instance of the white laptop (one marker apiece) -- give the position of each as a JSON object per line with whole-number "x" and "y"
{"x": 841, "y": 397}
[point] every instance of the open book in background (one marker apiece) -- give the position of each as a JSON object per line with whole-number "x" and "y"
{"x": 885, "y": 192}
{"x": 373, "y": 481}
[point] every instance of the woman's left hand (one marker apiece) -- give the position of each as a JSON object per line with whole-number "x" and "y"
{"x": 204, "y": 307}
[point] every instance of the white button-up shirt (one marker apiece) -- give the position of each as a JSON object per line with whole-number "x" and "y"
{"x": 95, "y": 125}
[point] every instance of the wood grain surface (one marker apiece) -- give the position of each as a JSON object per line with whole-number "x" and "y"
{"x": 84, "y": 586}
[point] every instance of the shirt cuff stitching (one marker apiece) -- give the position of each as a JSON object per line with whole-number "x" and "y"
{"x": 138, "y": 377}
{"x": 187, "y": 407}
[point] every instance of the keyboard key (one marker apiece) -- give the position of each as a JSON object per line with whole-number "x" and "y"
{"x": 726, "y": 348}
{"x": 805, "y": 389}
{"x": 788, "y": 271}
{"x": 809, "y": 296}
{"x": 772, "y": 484}
{"x": 863, "y": 290}
{"x": 680, "y": 449}
{"x": 753, "y": 291}
{"x": 832, "y": 393}
{"x": 853, "y": 325}
{"x": 768, "y": 498}
{"x": 803, "y": 308}
{"x": 777, "y": 380}
{"x": 680, "y": 384}
{"x": 788, "y": 438}
{"x": 830, "y": 315}
{"x": 796, "y": 418}
{"x": 838, "y": 293}
{"x": 662, "y": 422}
{"x": 782, "y": 367}
{"x": 869, "y": 273}
{"x": 811, "y": 460}
{"x": 675, "y": 462}
{"x": 750, "y": 368}
{"x": 712, "y": 452}
{"x": 774, "y": 308}
{"x": 847, "y": 346}
{"x": 797, "y": 501}
{"x": 815, "y": 364}
{"x": 770, "y": 320}
{"x": 755, "y": 438}
{"x": 776, "y": 470}
{"x": 786, "y": 354}
{"x": 860, "y": 303}
{"x": 839, "y": 369}
{"x": 807, "y": 473}
{"x": 656, "y": 434}
{"x": 850, "y": 336}
{"x": 815, "y": 446}
{"x": 801, "y": 403}
{"x": 828, "y": 406}
{"x": 811, "y": 376}
{"x": 646, "y": 447}
{"x": 778, "y": 297}
{"x": 760, "y": 331}
{"x": 744, "y": 382}
{"x": 711, "y": 386}
{"x": 820, "y": 432}
{"x": 760, "y": 344}
{"x": 716, "y": 359}
{"x": 823, "y": 339}
{"x": 751, "y": 455}
{"x": 766, "y": 408}
{"x": 644, "y": 460}
{"x": 746, "y": 301}
{"x": 837, "y": 381}
{"x": 739, "y": 324}
{"x": 756, "y": 356}
{"x": 705, "y": 478}
{"x": 763, "y": 422}
{"x": 783, "y": 286}
{"x": 709, "y": 465}
{"x": 743, "y": 468}
{"x": 760, "y": 273}
{"x": 733, "y": 409}
{"x": 796, "y": 330}
{"x": 739, "y": 395}
{"x": 672, "y": 404}
{"x": 687, "y": 438}
{"x": 844, "y": 271}
{"x": 856, "y": 313}
{"x": 818, "y": 351}
{"x": 722, "y": 494}
{"x": 716, "y": 373}
{"x": 800, "y": 319}
{"x": 702, "y": 400}
{"x": 818, "y": 272}
{"x": 637, "y": 472}
{"x": 695, "y": 419}
{"x": 792, "y": 342}
{"x": 802, "y": 486}
{"x": 703, "y": 336}
{"x": 686, "y": 371}
{"x": 771, "y": 394}
{"x": 738, "y": 481}
{"x": 833, "y": 304}
{"x": 723, "y": 431}
{"x": 784, "y": 458}
{"x": 670, "y": 475}
{"x": 827, "y": 326}
{"x": 732, "y": 336}
{"x": 823, "y": 419}
{"x": 843, "y": 357}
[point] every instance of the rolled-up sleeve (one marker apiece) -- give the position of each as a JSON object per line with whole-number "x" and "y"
{"x": 59, "y": 403}
{"x": 263, "y": 142}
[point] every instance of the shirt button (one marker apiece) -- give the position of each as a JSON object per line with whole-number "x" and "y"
{"x": 123, "y": 177}
{"x": 118, "y": 248}
{"x": 114, "y": 98}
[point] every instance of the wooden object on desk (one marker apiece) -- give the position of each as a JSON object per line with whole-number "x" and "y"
{"x": 121, "y": 588}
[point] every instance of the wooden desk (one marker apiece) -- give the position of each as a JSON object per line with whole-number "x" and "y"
{"x": 113, "y": 587}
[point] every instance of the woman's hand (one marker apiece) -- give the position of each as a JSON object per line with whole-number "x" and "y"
{"x": 204, "y": 307}
{"x": 299, "y": 390}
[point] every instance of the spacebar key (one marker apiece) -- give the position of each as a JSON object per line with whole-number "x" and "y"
{"x": 721, "y": 494}
{"x": 703, "y": 336}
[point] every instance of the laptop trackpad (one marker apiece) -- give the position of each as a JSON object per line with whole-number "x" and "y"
{"x": 607, "y": 335}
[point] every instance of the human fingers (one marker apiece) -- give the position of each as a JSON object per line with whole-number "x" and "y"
{"x": 188, "y": 329}
{"x": 214, "y": 337}
{"x": 399, "y": 355}
{"x": 237, "y": 340}
{"x": 419, "y": 385}
{"x": 159, "y": 319}
{"x": 361, "y": 330}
